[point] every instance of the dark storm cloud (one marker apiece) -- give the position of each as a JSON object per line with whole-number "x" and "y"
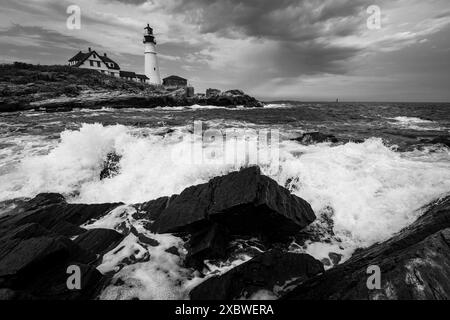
{"x": 293, "y": 20}
{"x": 302, "y": 29}
{"x": 293, "y": 59}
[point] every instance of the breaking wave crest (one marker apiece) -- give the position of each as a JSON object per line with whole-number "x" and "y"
{"x": 369, "y": 190}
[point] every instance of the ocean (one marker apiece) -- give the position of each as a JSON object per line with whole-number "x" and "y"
{"x": 371, "y": 183}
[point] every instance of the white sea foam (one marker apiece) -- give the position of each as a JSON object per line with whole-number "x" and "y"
{"x": 278, "y": 106}
{"x": 415, "y": 123}
{"x": 373, "y": 190}
{"x": 153, "y": 272}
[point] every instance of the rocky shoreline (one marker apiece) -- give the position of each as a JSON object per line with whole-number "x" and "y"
{"x": 62, "y": 88}
{"x": 119, "y": 100}
{"x": 241, "y": 212}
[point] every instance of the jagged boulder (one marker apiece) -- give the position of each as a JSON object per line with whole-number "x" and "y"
{"x": 264, "y": 272}
{"x": 414, "y": 264}
{"x": 34, "y": 262}
{"x": 99, "y": 241}
{"x": 316, "y": 137}
{"x": 52, "y": 212}
{"x": 245, "y": 202}
{"x": 35, "y": 249}
{"x": 151, "y": 210}
{"x": 110, "y": 166}
{"x": 208, "y": 243}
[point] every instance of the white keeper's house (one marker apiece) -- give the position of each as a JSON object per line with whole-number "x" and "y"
{"x": 92, "y": 60}
{"x": 104, "y": 64}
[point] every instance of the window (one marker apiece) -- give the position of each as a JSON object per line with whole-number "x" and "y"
{"x": 98, "y": 64}
{"x": 91, "y": 63}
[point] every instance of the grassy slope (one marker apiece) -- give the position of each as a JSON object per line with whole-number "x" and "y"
{"x": 23, "y": 83}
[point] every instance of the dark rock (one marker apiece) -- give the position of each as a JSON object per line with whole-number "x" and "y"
{"x": 260, "y": 273}
{"x": 316, "y": 137}
{"x": 8, "y": 294}
{"x": 151, "y": 210}
{"x": 67, "y": 229}
{"x": 335, "y": 257}
{"x": 211, "y": 243}
{"x": 51, "y": 284}
{"x": 246, "y": 202}
{"x": 32, "y": 247}
{"x": 234, "y": 92}
{"x": 50, "y": 210}
{"x": 110, "y": 166}
{"x": 99, "y": 241}
{"x": 414, "y": 264}
{"x": 34, "y": 261}
{"x": 248, "y": 247}
{"x": 173, "y": 250}
{"x": 326, "y": 262}
{"x": 144, "y": 239}
{"x": 44, "y": 199}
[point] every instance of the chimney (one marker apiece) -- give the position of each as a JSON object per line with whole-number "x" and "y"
{"x": 105, "y": 54}
{"x": 90, "y": 49}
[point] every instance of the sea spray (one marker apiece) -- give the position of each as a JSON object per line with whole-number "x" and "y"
{"x": 373, "y": 190}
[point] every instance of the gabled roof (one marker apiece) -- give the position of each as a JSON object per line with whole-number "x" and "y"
{"x": 142, "y": 76}
{"x": 107, "y": 60}
{"x": 80, "y": 57}
{"x": 127, "y": 74}
{"x": 174, "y": 78}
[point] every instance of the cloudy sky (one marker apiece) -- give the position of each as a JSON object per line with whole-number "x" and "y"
{"x": 273, "y": 49}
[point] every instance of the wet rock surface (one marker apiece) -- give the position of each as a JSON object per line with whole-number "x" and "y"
{"x": 414, "y": 264}
{"x": 245, "y": 202}
{"x": 264, "y": 272}
{"x": 111, "y": 166}
{"x": 34, "y": 261}
{"x": 51, "y": 211}
{"x": 36, "y": 249}
{"x": 240, "y": 214}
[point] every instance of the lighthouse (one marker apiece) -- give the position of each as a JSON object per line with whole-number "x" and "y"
{"x": 151, "y": 60}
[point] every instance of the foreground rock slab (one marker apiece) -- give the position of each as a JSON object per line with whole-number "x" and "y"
{"x": 34, "y": 261}
{"x": 264, "y": 272}
{"x": 51, "y": 211}
{"x": 246, "y": 202}
{"x": 36, "y": 249}
{"x": 414, "y": 264}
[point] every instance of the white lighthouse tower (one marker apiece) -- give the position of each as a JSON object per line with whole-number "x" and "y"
{"x": 151, "y": 60}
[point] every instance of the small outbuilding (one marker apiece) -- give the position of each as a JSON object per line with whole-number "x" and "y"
{"x": 175, "y": 81}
